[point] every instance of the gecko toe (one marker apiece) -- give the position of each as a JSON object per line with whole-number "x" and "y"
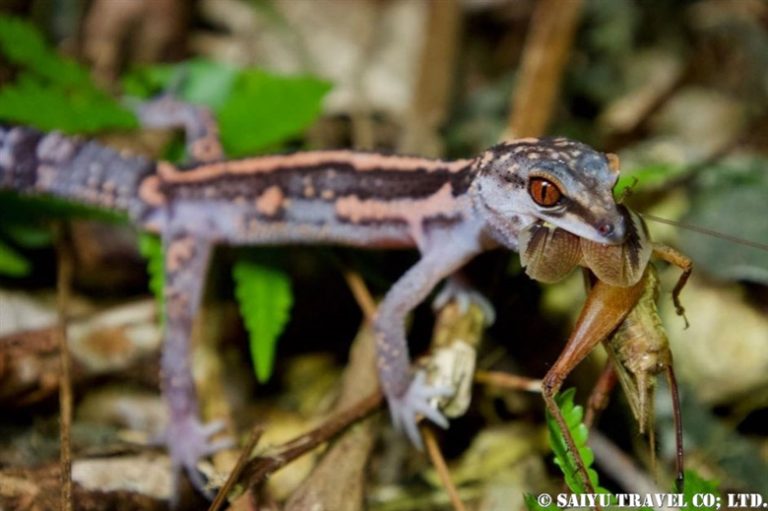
{"x": 415, "y": 403}
{"x": 189, "y": 440}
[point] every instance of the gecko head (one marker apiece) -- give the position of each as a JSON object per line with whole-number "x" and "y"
{"x": 555, "y": 180}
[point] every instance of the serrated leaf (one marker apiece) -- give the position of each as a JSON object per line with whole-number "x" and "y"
{"x": 532, "y": 504}
{"x": 12, "y": 263}
{"x": 151, "y": 248}
{"x": 265, "y": 299}
{"x": 572, "y": 414}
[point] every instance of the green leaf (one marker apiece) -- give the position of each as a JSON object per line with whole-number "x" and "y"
{"x": 532, "y": 504}
{"x": 265, "y": 109}
{"x": 12, "y": 263}
{"x": 29, "y": 101}
{"x": 26, "y": 234}
{"x": 563, "y": 458}
{"x": 256, "y": 110}
{"x": 24, "y": 209}
{"x": 695, "y": 484}
{"x": 151, "y": 247}
{"x": 53, "y": 92}
{"x": 198, "y": 81}
{"x": 23, "y": 45}
{"x": 265, "y": 298}
{"x": 644, "y": 178}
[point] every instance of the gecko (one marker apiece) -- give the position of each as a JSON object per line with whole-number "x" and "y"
{"x": 449, "y": 211}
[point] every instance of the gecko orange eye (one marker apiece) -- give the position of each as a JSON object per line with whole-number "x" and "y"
{"x": 544, "y": 192}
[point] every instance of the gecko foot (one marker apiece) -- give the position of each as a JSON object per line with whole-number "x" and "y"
{"x": 415, "y": 401}
{"x": 456, "y": 289}
{"x": 188, "y": 440}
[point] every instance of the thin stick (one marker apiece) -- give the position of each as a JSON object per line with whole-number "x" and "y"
{"x": 234, "y": 476}
{"x": 63, "y": 284}
{"x": 508, "y": 381}
{"x": 360, "y": 291}
{"x": 438, "y": 461}
{"x": 258, "y": 468}
{"x": 546, "y": 52}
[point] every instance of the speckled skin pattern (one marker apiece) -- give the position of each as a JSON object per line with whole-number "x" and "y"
{"x": 449, "y": 210}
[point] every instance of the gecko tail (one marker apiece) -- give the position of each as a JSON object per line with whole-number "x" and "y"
{"x": 37, "y": 163}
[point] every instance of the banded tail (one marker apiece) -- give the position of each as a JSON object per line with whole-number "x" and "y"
{"x": 38, "y": 163}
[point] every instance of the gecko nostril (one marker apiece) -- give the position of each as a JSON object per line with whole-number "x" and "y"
{"x": 605, "y": 229}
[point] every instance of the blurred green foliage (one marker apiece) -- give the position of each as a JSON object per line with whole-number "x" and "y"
{"x": 257, "y": 112}
{"x": 730, "y": 198}
{"x": 50, "y": 91}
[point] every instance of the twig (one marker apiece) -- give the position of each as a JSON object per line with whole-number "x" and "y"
{"x": 434, "y": 80}
{"x": 509, "y": 381}
{"x": 234, "y": 476}
{"x": 360, "y": 291}
{"x": 338, "y": 479}
{"x": 63, "y": 284}
{"x": 553, "y": 27}
{"x": 433, "y": 450}
{"x": 258, "y": 468}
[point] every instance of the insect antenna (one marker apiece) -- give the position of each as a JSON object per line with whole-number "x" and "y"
{"x": 708, "y": 232}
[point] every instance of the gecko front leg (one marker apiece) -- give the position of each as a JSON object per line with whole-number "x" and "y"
{"x": 408, "y": 396}
{"x": 186, "y": 261}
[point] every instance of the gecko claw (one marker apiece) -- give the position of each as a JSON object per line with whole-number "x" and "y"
{"x": 188, "y": 440}
{"x": 406, "y": 409}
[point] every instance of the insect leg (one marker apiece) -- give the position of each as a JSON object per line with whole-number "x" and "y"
{"x": 679, "y": 454}
{"x": 683, "y": 262}
{"x": 601, "y": 393}
{"x": 605, "y": 309}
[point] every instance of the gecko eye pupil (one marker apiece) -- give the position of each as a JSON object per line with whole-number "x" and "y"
{"x": 544, "y": 192}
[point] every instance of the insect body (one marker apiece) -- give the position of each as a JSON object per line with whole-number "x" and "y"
{"x": 620, "y": 312}
{"x": 449, "y": 211}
